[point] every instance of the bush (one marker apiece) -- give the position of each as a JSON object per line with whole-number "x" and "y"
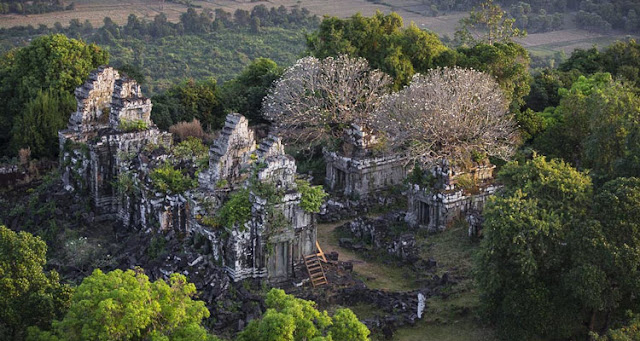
{"x": 134, "y": 125}
{"x": 184, "y": 130}
{"x": 312, "y": 196}
{"x": 237, "y": 210}
{"x": 171, "y": 180}
{"x": 191, "y": 147}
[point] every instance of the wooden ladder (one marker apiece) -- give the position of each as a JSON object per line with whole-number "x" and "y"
{"x": 314, "y": 268}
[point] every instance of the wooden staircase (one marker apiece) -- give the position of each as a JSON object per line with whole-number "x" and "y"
{"x": 314, "y": 267}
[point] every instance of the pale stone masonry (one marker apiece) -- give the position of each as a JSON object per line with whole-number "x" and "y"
{"x": 97, "y": 156}
{"x": 356, "y": 171}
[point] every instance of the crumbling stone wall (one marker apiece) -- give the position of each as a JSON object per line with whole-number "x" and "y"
{"x": 128, "y": 104}
{"x": 267, "y": 246}
{"x": 93, "y": 149}
{"x": 230, "y": 154}
{"x": 435, "y": 207}
{"x": 355, "y": 171}
{"x": 94, "y": 101}
{"x": 98, "y": 155}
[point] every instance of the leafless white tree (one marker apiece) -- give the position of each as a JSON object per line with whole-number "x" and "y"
{"x": 449, "y": 113}
{"x": 316, "y": 98}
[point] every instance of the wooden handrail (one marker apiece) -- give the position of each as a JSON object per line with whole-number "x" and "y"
{"x": 320, "y": 253}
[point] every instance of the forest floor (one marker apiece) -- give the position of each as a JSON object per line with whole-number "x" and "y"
{"x": 452, "y": 316}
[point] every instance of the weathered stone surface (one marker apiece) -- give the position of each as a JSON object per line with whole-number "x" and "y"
{"x": 230, "y": 154}
{"x": 94, "y": 100}
{"x": 356, "y": 171}
{"x": 448, "y": 199}
{"x": 128, "y": 104}
{"x": 387, "y": 233}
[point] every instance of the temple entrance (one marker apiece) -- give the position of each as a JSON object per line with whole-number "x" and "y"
{"x": 424, "y": 217}
{"x": 280, "y": 260}
{"x": 341, "y": 178}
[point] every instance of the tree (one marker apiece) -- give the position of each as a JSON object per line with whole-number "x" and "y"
{"x": 37, "y": 127}
{"x": 244, "y": 93}
{"x": 28, "y": 295}
{"x": 526, "y": 251}
{"x": 488, "y": 24}
{"x": 507, "y": 63}
{"x": 125, "y": 305}
{"x": 288, "y": 318}
{"x": 382, "y": 40}
{"x": 52, "y": 62}
{"x": 188, "y": 100}
{"x": 318, "y": 98}
{"x": 449, "y": 114}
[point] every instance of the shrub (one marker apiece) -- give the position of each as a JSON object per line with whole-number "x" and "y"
{"x": 237, "y": 210}
{"x": 183, "y": 130}
{"x": 134, "y": 125}
{"x": 189, "y": 148}
{"x": 312, "y": 196}
{"x": 171, "y": 180}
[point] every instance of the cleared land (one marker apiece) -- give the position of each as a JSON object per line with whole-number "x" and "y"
{"x": 411, "y": 10}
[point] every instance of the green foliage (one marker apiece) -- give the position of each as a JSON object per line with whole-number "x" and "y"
{"x": 488, "y": 24}
{"x": 236, "y": 211}
{"x": 557, "y": 261}
{"x": 382, "y": 40}
{"x": 508, "y": 63}
{"x": 312, "y": 196}
{"x": 52, "y": 63}
{"x": 597, "y": 127}
{"x": 127, "y": 306}
{"x": 524, "y": 249}
{"x": 133, "y": 125}
{"x": 629, "y": 332}
{"x": 421, "y": 177}
{"x": 28, "y": 295}
{"x": 125, "y": 183}
{"x": 288, "y": 318}
{"x": 191, "y": 148}
{"x": 244, "y": 93}
{"x": 170, "y": 180}
{"x": 187, "y": 101}
{"x": 38, "y": 124}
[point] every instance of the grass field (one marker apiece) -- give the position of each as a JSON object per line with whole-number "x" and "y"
{"x": 411, "y": 10}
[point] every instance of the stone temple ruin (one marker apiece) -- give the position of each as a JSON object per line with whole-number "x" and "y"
{"x": 357, "y": 170}
{"x": 111, "y": 148}
{"x": 451, "y": 194}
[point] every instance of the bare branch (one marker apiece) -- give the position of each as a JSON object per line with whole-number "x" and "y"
{"x": 315, "y": 98}
{"x": 449, "y": 114}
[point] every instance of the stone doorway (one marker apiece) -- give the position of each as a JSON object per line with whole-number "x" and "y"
{"x": 424, "y": 218}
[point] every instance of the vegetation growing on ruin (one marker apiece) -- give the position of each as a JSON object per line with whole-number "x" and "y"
{"x": 236, "y": 211}
{"x": 170, "y": 180}
{"x": 312, "y": 196}
{"x": 133, "y": 125}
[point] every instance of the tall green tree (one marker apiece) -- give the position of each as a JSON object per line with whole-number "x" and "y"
{"x": 383, "y": 41}
{"x": 244, "y": 93}
{"x": 38, "y": 124}
{"x": 52, "y": 62}
{"x": 288, "y": 318}
{"x": 508, "y": 63}
{"x": 188, "y": 100}
{"x": 29, "y": 296}
{"x": 525, "y": 250}
{"x": 125, "y": 305}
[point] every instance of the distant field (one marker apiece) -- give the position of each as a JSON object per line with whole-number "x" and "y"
{"x": 411, "y": 10}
